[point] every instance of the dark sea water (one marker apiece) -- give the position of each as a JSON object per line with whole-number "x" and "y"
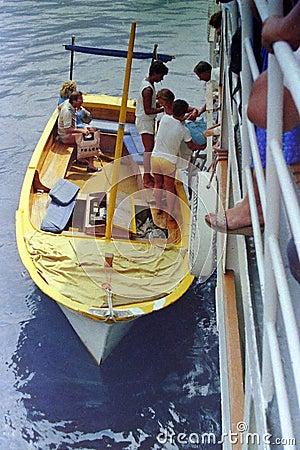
{"x": 160, "y": 388}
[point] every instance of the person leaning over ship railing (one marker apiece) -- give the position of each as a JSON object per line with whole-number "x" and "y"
{"x": 237, "y": 220}
{"x": 215, "y": 21}
{"x": 278, "y": 28}
{"x": 67, "y": 126}
{"x": 204, "y": 71}
{"x": 274, "y": 28}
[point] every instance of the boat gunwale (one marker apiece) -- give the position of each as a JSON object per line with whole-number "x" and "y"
{"x": 24, "y": 225}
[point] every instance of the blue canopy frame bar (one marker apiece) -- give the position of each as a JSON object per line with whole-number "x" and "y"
{"x": 115, "y": 53}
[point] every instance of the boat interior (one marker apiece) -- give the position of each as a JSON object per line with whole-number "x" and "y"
{"x": 135, "y": 205}
{"x": 142, "y": 241}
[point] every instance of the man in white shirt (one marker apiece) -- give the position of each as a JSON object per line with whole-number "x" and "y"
{"x": 205, "y": 72}
{"x": 67, "y": 127}
{"x": 171, "y": 133}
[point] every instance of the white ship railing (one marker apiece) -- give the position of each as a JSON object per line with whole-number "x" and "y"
{"x": 271, "y": 345}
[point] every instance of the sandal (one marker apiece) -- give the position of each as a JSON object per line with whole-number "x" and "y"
{"x": 221, "y": 226}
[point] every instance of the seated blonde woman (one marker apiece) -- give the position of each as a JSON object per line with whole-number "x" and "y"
{"x": 66, "y": 89}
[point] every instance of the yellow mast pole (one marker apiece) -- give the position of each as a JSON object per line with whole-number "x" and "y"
{"x": 120, "y": 135}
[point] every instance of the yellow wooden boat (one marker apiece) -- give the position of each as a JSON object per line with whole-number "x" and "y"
{"x": 102, "y": 269}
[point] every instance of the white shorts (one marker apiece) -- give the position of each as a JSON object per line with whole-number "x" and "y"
{"x": 145, "y": 126}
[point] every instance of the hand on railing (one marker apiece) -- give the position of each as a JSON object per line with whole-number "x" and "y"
{"x": 277, "y": 28}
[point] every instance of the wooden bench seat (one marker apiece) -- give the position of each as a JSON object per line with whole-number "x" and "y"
{"x": 56, "y": 163}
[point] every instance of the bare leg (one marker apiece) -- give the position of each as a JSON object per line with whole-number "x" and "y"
{"x": 158, "y": 191}
{"x": 257, "y": 106}
{"x": 91, "y": 162}
{"x": 148, "y": 142}
{"x": 170, "y": 193}
{"x": 240, "y": 215}
{"x": 71, "y": 140}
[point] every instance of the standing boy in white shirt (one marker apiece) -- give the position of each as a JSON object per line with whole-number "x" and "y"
{"x": 171, "y": 132}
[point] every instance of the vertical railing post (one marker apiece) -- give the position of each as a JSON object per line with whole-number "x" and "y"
{"x": 246, "y": 85}
{"x": 72, "y": 59}
{"x": 272, "y": 216}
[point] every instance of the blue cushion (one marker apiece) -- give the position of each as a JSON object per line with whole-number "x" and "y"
{"x": 63, "y": 192}
{"x": 57, "y": 216}
{"x": 107, "y": 126}
{"x": 136, "y": 137}
{"x": 132, "y": 150}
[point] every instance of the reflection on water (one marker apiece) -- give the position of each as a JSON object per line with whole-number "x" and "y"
{"x": 164, "y": 374}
